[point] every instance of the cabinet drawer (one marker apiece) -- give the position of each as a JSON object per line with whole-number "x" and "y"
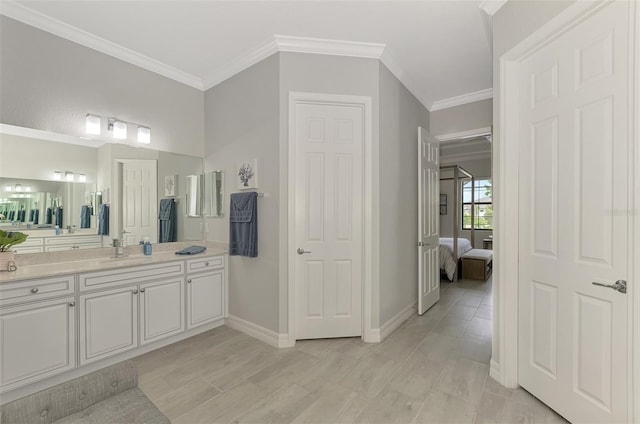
{"x": 133, "y": 275}
{"x": 30, "y": 290}
{"x": 62, "y": 247}
{"x": 205, "y": 263}
{"x": 30, "y": 242}
{"x": 53, "y": 241}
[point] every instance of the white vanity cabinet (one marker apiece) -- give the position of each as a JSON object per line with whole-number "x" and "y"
{"x": 52, "y": 325}
{"x": 161, "y": 309}
{"x": 38, "y": 341}
{"x": 108, "y": 323}
{"x": 205, "y": 291}
{"x": 59, "y": 243}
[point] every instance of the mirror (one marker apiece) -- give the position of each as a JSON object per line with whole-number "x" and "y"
{"x": 194, "y": 195}
{"x": 31, "y": 157}
{"x": 213, "y": 194}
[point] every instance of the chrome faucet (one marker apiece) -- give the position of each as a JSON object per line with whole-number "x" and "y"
{"x": 70, "y": 229}
{"x": 118, "y": 245}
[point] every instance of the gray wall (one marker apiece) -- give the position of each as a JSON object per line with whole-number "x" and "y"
{"x": 322, "y": 74}
{"x": 49, "y": 83}
{"x": 242, "y": 122}
{"x": 465, "y": 117}
{"x": 400, "y": 115}
{"x": 514, "y": 22}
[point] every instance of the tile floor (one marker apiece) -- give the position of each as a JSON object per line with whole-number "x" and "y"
{"x": 433, "y": 369}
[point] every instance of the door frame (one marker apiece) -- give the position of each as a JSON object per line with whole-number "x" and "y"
{"x": 505, "y": 168}
{"x": 370, "y": 187}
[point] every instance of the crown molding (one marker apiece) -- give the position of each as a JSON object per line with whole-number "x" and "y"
{"x": 461, "y": 100}
{"x": 293, "y": 44}
{"x": 19, "y": 12}
{"x": 279, "y": 43}
{"x": 490, "y": 7}
{"x": 240, "y": 63}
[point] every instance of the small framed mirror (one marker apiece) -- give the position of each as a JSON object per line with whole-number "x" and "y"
{"x": 193, "y": 195}
{"x": 213, "y": 194}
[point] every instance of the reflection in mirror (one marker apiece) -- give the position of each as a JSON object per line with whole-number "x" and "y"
{"x": 38, "y": 204}
{"x": 35, "y": 158}
{"x": 193, "y": 195}
{"x": 213, "y": 193}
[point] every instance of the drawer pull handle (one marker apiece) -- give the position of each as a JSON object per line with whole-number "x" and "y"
{"x": 34, "y": 290}
{"x": 135, "y": 291}
{"x": 142, "y": 290}
{"x": 206, "y": 263}
{"x": 72, "y": 304}
{"x": 189, "y": 281}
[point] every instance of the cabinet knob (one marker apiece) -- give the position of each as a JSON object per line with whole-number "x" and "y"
{"x": 135, "y": 291}
{"x": 189, "y": 281}
{"x": 72, "y": 304}
{"x": 206, "y": 263}
{"x": 142, "y": 290}
{"x": 34, "y": 290}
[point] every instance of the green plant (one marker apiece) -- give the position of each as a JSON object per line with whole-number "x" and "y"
{"x": 11, "y": 238}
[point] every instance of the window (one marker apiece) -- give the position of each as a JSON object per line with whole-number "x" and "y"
{"x": 483, "y": 214}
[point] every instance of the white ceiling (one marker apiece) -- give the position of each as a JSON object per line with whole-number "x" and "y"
{"x": 439, "y": 49}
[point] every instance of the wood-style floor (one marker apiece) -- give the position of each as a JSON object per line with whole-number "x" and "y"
{"x": 433, "y": 369}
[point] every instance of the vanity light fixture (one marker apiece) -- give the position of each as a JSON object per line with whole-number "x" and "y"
{"x": 18, "y": 187}
{"x": 8, "y": 188}
{"x": 118, "y": 128}
{"x": 69, "y": 176}
{"x": 144, "y": 135}
{"x": 93, "y": 124}
{"x": 57, "y": 175}
{"x": 82, "y": 178}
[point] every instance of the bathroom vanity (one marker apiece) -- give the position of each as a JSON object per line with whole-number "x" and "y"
{"x": 61, "y": 318}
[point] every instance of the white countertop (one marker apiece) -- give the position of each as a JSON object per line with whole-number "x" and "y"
{"x": 73, "y": 262}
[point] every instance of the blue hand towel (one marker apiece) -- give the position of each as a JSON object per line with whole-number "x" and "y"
{"x": 243, "y": 224}
{"x": 103, "y": 219}
{"x": 85, "y": 217}
{"x": 168, "y": 221}
{"x": 191, "y": 250}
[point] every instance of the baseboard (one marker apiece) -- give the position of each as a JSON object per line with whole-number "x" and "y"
{"x": 372, "y": 336}
{"x": 270, "y": 337}
{"x": 395, "y": 322}
{"x": 494, "y": 371}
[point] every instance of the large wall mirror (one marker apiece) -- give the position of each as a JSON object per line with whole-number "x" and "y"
{"x": 52, "y": 179}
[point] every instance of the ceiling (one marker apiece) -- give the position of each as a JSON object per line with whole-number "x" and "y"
{"x": 439, "y": 49}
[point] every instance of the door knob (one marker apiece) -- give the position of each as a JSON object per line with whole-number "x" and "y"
{"x": 620, "y": 285}
{"x": 301, "y": 251}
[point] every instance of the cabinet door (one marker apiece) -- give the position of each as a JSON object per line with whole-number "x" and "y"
{"x": 108, "y": 323}
{"x": 161, "y": 309}
{"x": 205, "y": 294}
{"x": 38, "y": 341}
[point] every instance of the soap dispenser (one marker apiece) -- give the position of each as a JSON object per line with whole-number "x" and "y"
{"x": 146, "y": 246}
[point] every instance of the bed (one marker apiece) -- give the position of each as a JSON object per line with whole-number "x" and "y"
{"x": 449, "y": 262}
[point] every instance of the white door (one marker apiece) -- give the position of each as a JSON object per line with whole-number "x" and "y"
{"x": 574, "y": 194}
{"x": 161, "y": 309}
{"x": 428, "y": 221}
{"x": 38, "y": 341}
{"x": 205, "y": 294}
{"x": 108, "y": 323}
{"x": 329, "y": 143}
{"x": 139, "y": 201}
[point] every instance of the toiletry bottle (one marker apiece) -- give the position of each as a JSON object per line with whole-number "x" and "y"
{"x": 57, "y": 228}
{"x": 146, "y": 247}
